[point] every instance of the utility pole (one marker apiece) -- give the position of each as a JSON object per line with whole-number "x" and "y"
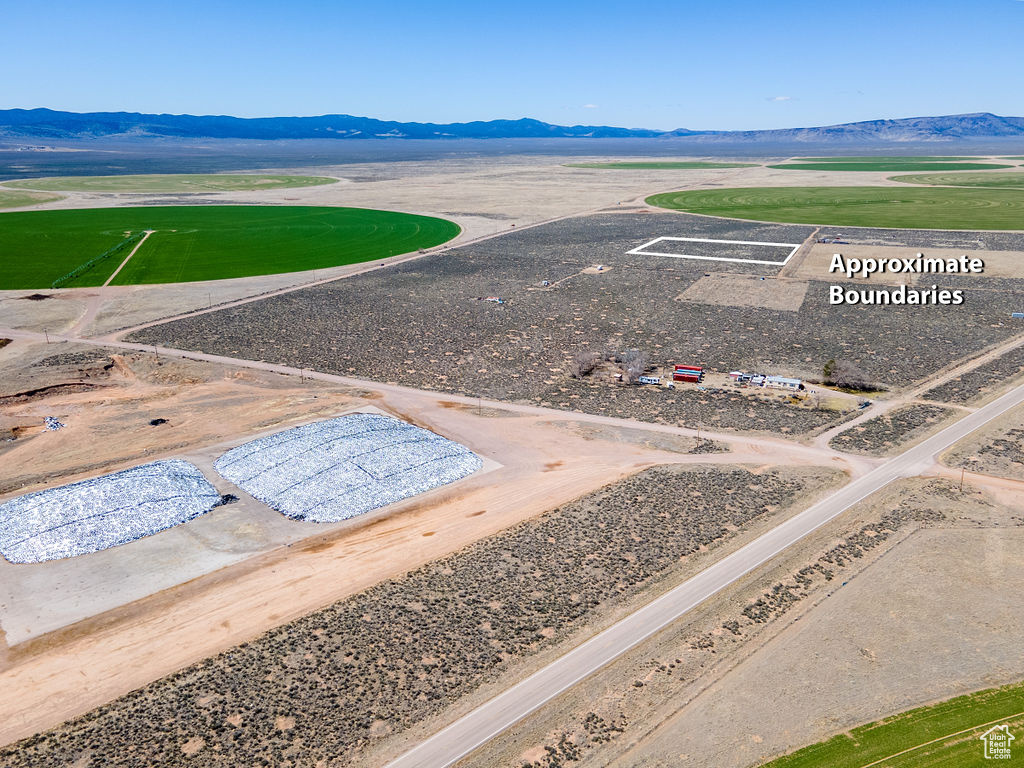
{"x": 47, "y": 335}
{"x": 156, "y": 352}
{"x": 962, "y": 471}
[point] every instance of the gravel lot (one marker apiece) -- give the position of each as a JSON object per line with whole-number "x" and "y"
{"x": 657, "y": 441}
{"x": 330, "y": 684}
{"x": 422, "y": 323}
{"x": 883, "y": 434}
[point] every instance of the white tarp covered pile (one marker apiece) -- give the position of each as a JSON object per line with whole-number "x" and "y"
{"x": 336, "y": 469}
{"x": 104, "y": 512}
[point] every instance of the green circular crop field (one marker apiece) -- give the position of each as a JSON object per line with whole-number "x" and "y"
{"x": 901, "y": 207}
{"x": 884, "y": 158}
{"x": 11, "y": 198}
{"x": 666, "y": 165}
{"x": 171, "y": 183}
{"x": 188, "y": 243}
{"x": 1011, "y": 180}
{"x": 894, "y": 166}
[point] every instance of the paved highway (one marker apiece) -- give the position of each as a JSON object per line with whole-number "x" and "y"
{"x": 490, "y": 719}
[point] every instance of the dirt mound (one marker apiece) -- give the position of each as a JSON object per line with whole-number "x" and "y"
{"x": 67, "y": 388}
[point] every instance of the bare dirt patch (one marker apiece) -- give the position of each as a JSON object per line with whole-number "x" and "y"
{"x": 410, "y": 646}
{"x": 998, "y": 264}
{"x": 269, "y": 572}
{"x": 107, "y": 401}
{"x": 732, "y": 290}
{"x": 652, "y": 440}
{"x": 53, "y": 313}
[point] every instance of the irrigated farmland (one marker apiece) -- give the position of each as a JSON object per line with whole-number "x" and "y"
{"x": 911, "y": 207}
{"x": 944, "y": 735}
{"x": 425, "y": 324}
{"x": 1014, "y": 180}
{"x": 662, "y": 165}
{"x": 11, "y": 198}
{"x": 891, "y": 165}
{"x": 203, "y": 242}
{"x": 869, "y": 159}
{"x": 171, "y": 183}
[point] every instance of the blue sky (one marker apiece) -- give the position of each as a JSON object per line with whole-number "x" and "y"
{"x": 711, "y": 65}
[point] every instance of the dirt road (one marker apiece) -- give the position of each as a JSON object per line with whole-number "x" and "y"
{"x": 773, "y": 448}
{"x": 484, "y": 723}
{"x": 541, "y": 469}
{"x": 880, "y": 407}
{"x": 543, "y": 466}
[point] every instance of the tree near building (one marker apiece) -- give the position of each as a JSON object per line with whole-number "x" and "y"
{"x": 846, "y": 374}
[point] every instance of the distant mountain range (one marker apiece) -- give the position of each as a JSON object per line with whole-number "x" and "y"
{"x": 43, "y": 124}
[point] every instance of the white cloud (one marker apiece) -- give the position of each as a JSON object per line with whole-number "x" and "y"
{"x": 789, "y": 98}
{"x": 594, "y": 106}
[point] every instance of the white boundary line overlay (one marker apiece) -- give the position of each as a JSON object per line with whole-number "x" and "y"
{"x": 639, "y": 250}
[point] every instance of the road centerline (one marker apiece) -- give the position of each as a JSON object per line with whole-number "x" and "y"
{"x": 490, "y": 719}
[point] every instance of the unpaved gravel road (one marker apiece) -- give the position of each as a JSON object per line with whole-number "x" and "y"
{"x": 484, "y": 723}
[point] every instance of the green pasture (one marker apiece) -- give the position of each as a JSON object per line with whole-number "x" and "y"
{"x": 882, "y": 159}
{"x": 1011, "y": 180}
{"x": 203, "y": 242}
{"x": 666, "y": 165}
{"x": 903, "y": 207}
{"x": 882, "y": 164}
{"x": 10, "y": 198}
{"x": 944, "y": 735}
{"x": 171, "y": 183}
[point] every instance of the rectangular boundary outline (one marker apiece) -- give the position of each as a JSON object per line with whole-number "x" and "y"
{"x": 639, "y": 250}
